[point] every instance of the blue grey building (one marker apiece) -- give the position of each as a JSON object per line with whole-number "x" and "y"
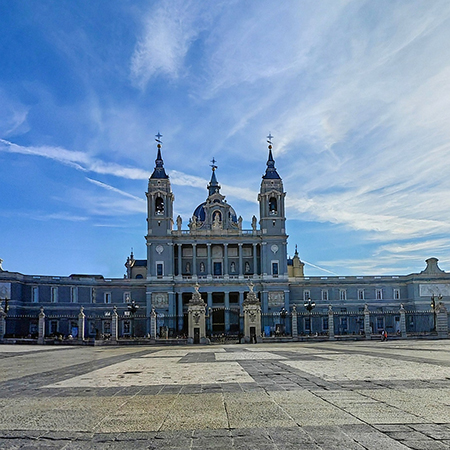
{"x": 214, "y": 251}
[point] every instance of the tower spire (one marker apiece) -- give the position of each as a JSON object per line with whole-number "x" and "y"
{"x": 271, "y": 171}
{"x": 159, "y": 171}
{"x": 213, "y": 185}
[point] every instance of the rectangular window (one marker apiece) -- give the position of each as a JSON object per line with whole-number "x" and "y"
{"x": 342, "y": 294}
{"x": 217, "y": 267}
{"x": 325, "y": 295}
{"x": 307, "y": 323}
{"x": 360, "y": 294}
{"x": 380, "y": 323}
{"x": 325, "y": 323}
{"x": 159, "y": 269}
{"x": 74, "y": 294}
{"x": 107, "y": 297}
{"x": 275, "y": 269}
{"x": 306, "y": 295}
{"x": 379, "y": 294}
{"x": 344, "y": 324}
{"x": 35, "y": 294}
{"x": 397, "y": 294}
{"x": 54, "y": 295}
{"x": 127, "y": 297}
{"x": 53, "y": 326}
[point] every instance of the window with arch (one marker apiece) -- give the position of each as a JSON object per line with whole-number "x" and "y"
{"x": 159, "y": 205}
{"x": 273, "y": 209}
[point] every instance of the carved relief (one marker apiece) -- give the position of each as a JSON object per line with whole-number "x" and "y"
{"x": 160, "y": 300}
{"x": 276, "y": 299}
{"x": 5, "y": 290}
{"x": 427, "y": 290}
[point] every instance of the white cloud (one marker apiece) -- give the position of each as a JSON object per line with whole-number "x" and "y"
{"x": 108, "y": 187}
{"x": 78, "y": 160}
{"x": 170, "y": 29}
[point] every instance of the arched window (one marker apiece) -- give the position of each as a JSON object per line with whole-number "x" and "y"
{"x": 273, "y": 205}
{"x": 159, "y": 205}
{"x": 139, "y": 276}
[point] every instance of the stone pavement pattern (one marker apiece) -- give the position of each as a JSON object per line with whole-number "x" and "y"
{"x": 342, "y": 395}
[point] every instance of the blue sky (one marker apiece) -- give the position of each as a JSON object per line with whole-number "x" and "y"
{"x": 355, "y": 93}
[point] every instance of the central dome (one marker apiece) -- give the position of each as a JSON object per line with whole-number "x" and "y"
{"x": 200, "y": 213}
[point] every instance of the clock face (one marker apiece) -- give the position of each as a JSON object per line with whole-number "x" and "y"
{"x": 274, "y": 248}
{"x": 159, "y": 249}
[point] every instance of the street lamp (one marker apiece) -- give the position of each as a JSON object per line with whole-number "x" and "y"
{"x": 434, "y": 304}
{"x": 132, "y": 307}
{"x": 309, "y": 305}
{"x": 283, "y": 314}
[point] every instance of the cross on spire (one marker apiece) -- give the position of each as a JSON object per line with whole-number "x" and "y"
{"x": 213, "y": 165}
{"x": 270, "y": 137}
{"x": 158, "y": 137}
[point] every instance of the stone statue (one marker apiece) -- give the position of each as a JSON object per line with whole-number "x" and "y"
{"x": 193, "y": 223}
{"x": 1, "y": 268}
{"x": 254, "y": 223}
{"x": 240, "y": 222}
{"x": 179, "y": 222}
{"x": 217, "y": 223}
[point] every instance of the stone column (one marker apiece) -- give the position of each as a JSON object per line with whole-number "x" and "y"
{"x": 330, "y": 323}
{"x": 194, "y": 260}
{"x": 81, "y": 325}
{"x": 252, "y": 317}
{"x": 225, "y": 260}
{"x": 114, "y": 325}
{"x": 41, "y": 326}
{"x": 2, "y": 322}
{"x": 241, "y": 269}
{"x": 255, "y": 260}
{"x": 197, "y": 319}
{"x": 442, "y": 321}
{"x": 180, "y": 311}
{"x": 153, "y": 324}
{"x": 180, "y": 260}
{"x": 150, "y": 269}
{"x": 367, "y": 328}
{"x": 294, "y": 322}
{"x": 264, "y": 270}
{"x": 403, "y": 321}
{"x": 208, "y": 265}
{"x": 227, "y": 311}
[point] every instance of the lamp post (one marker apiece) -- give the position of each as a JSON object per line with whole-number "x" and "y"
{"x": 132, "y": 307}
{"x": 310, "y": 305}
{"x": 434, "y": 304}
{"x": 283, "y": 314}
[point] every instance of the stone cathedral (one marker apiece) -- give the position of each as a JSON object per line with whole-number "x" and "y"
{"x": 212, "y": 258}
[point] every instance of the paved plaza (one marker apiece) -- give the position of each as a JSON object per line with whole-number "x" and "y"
{"x": 324, "y": 395}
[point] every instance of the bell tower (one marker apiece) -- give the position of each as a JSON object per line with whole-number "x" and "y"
{"x": 273, "y": 220}
{"x": 159, "y": 219}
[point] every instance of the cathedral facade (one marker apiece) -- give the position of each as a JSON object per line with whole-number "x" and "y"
{"x": 214, "y": 252}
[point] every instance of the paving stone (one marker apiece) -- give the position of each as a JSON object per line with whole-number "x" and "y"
{"x": 325, "y": 395}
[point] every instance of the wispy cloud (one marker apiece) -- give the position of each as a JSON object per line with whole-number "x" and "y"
{"x": 169, "y": 30}
{"x": 115, "y": 190}
{"x": 76, "y": 159}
